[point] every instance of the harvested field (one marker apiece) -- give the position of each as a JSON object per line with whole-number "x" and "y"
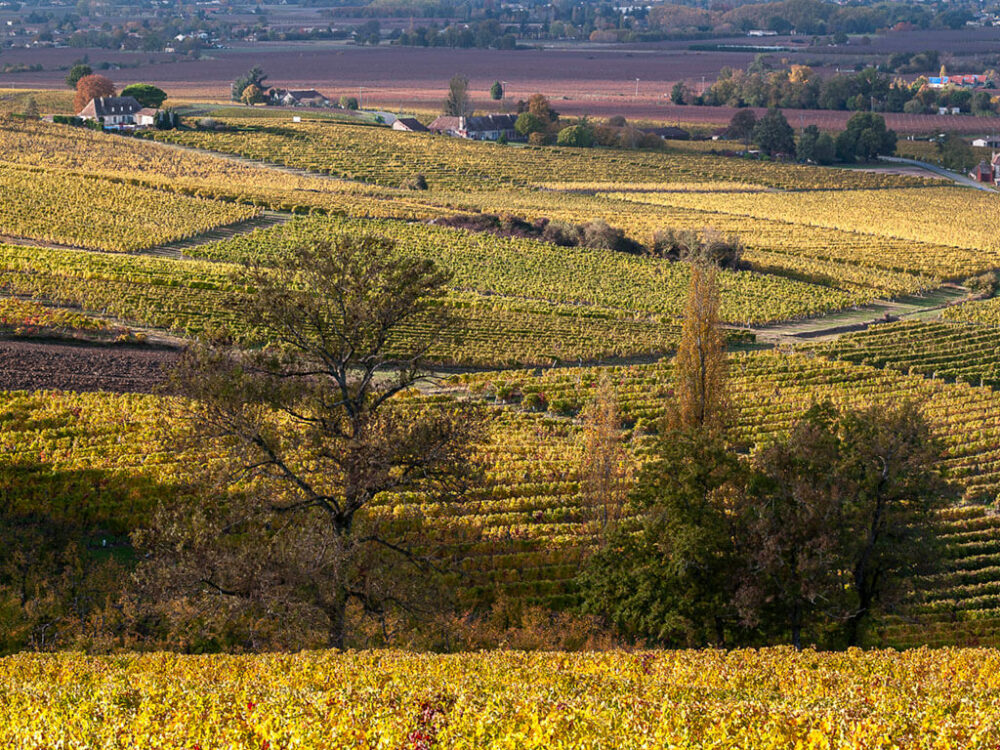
{"x": 31, "y": 365}
{"x": 594, "y": 79}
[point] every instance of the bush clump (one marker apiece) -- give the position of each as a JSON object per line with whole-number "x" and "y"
{"x": 597, "y": 234}
{"x": 985, "y": 284}
{"x": 417, "y": 182}
{"x": 708, "y": 246}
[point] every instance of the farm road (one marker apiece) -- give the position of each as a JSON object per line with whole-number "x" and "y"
{"x": 955, "y": 177}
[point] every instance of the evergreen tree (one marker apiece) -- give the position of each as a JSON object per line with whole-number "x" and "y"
{"x": 253, "y": 77}
{"x": 741, "y": 126}
{"x": 77, "y": 72}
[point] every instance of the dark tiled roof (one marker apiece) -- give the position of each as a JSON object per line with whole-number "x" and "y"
{"x": 106, "y": 106}
{"x": 490, "y": 122}
{"x": 412, "y": 123}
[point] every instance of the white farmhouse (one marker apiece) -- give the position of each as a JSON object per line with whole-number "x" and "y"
{"x": 113, "y": 111}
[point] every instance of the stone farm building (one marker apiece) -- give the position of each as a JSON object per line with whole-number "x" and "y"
{"x": 119, "y": 112}
{"x": 988, "y": 172}
{"x": 409, "y": 124}
{"x": 484, "y": 128}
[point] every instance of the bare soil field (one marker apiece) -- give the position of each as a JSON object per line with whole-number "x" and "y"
{"x": 594, "y": 79}
{"x": 36, "y": 365}
{"x": 339, "y": 67}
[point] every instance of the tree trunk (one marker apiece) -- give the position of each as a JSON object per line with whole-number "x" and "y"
{"x": 797, "y": 627}
{"x": 336, "y": 612}
{"x": 852, "y": 628}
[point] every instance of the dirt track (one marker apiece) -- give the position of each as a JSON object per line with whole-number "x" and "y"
{"x": 30, "y": 365}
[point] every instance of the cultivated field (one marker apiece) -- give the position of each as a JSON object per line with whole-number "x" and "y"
{"x": 710, "y": 699}
{"x": 581, "y": 79}
{"x": 118, "y": 252}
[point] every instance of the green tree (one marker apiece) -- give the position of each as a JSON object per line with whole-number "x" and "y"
{"x": 527, "y": 123}
{"x": 77, "y": 72}
{"x": 888, "y": 476}
{"x": 458, "y": 103}
{"x": 674, "y": 581}
{"x": 253, "y": 77}
{"x": 816, "y": 147}
{"x": 370, "y": 32}
{"x": 982, "y": 103}
{"x": 811, "y": 534}
{"x": 865, "y": 138}
{"x": 146, "y": 94}
{"x": 741, "y": 126}
{"x": 955, "y": 153}
{"x": 826, "y": 149}
{"x": 773, "y": 134}
{"x": 680, "y": 93}
{"x": 348, "y": 102}
{"x": 167, "y": 120}
{"x": 496, "y": 91}
{"x": 790, "y": 517}
{"x": 581, "y": 136}
{"x": 850, "y": 496}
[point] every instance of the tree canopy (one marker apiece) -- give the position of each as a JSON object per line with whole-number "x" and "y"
{"x": 773, "y": 134}
{"x": 458, "y": 102}
{"x": 314, "y": 428}
{"x": 865, "y": 137}
{"x": 804, "y": 538}
{"x": 77, "y": 72}
{"x": 92, "y": 87}
{"x": 146, "y": 94}
{"x": 253, "y": 77}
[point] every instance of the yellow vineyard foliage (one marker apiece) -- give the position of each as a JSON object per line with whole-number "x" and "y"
{"x": 769, "y": 699}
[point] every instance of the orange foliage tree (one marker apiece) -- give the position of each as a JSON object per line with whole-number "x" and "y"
{"x": 91, "y": 87}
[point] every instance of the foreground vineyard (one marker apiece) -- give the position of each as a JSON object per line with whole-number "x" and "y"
{"x": 523, "y": 528}
{"x": 769, "y": 698}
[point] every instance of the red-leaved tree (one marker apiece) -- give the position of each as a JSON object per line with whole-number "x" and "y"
{"x": 91, "y": 87}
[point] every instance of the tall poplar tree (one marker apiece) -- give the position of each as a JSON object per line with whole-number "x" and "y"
{"x": 700, "y": 366}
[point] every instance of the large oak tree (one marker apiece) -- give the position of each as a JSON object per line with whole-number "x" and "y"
{"x": 314, "y": 429}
